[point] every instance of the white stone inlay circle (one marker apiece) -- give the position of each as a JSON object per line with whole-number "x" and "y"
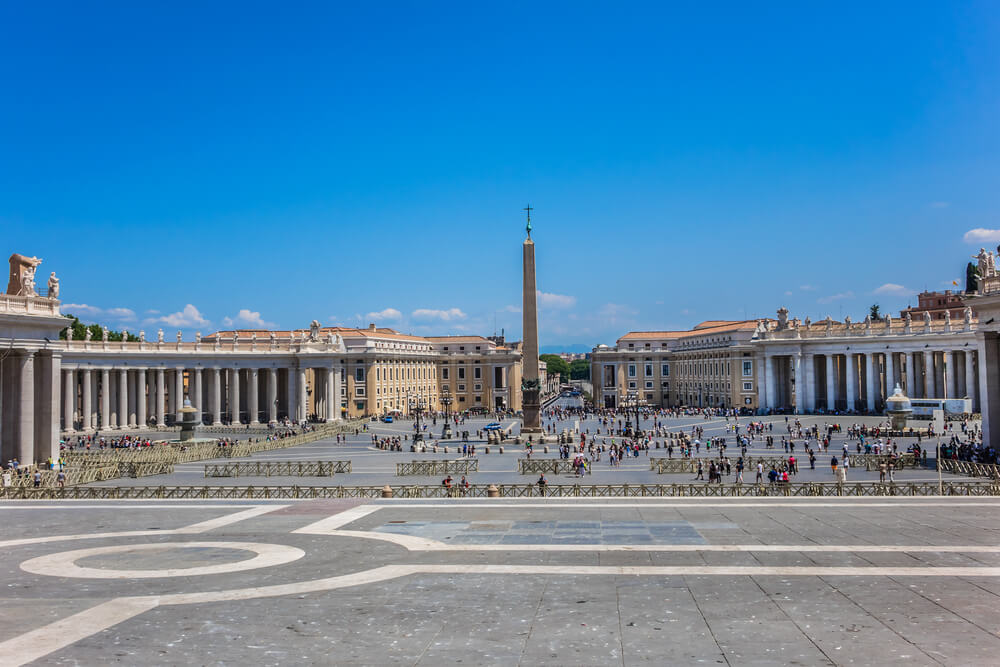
{"x": 63, "y": 564}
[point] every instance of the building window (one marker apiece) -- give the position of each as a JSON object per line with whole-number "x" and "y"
{"x": 359, "y": 391}
{"x": 665, "y": 385}
{"x": 649, "y": 397}
{"x": 359, "y": 374}
{"x": 631, "y": 370}
{"x": 649, "y": 385}
{"x": 444, "y": 373}
{"x": 665, "y": 370}
{"x": 649, "y": 370}
{"x": 631, "y": 385}
{"x": 461, "y": 387}
{"x": 477, "y": 373}
{"x": 461, "y": 372}
{"x": 747, "y": 369}
{"x": 748, "y": 386}
{"x": 445, "y": 388}
{"x": 478, "y": 387}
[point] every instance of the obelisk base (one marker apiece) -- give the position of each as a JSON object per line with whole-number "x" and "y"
{"x": 531, "y": 423}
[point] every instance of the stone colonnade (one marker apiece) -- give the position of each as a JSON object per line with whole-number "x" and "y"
{"x": 115, "y": 397}
{"x": 812, "y": 380}
{"x": 29, "y": 425}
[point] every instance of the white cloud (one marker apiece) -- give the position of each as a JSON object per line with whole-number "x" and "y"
{"x": 510, "y": 309}
{"x": 980, "y": 235}
{"x": 387, "y": 314}
{"x": 835, "y": 297}
{"x": 940, "y": 204}
{"x": 250, "y": 318}
{"x": 444, "y": 315}
{"x": 152, "y": 312}
{"x": 788, "y": 292}
{"x": 892, "y": 289}
{"x": 555, "y": 300}
{"x": 616, "y": 311}
{"x": 120, "y": 314}
{"x": 807, "y": 288}
{"x": 685, "y": 311}
{"x": 185, "y": 319}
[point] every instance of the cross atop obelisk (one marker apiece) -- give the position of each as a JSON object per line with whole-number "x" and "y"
{"x": 530, "y": 385}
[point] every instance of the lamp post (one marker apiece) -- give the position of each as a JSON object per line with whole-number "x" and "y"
{"x": 632, "y": 399}
{"x": 446, "y": 402}
{"x": 416, "y": 405}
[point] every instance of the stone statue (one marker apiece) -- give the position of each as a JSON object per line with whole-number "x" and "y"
{"x": 909, "y": 321}
{"x": 159, "y": 336}
{"x": 142, "y": 336}
{"x": 808, "y": 322}
{"x": 236, "y": 339}
{"x": 829, "y": 325}
{"x": 178, "y": 336}
{"x": 888, "y": 323}
{"x": 274, "y": 339}
{"x": 782, "y": 318}
{"x": 967, "y": 316}
{"x": 22, "y": 275}
{"x": 53, "y": 286}
{"x": 330, "y": 339}
{"x": 197, "y": 337}
{"x": 982, "y": 263}
{"x": 991, "y": 264}
{"x": 947, "y": 320}
{"x": 104, "y": 334}
{"x": 847, "y": 323}
{"x": 314, "y": 331}
{"x": 87, "y": 335}
{"x": 124, "y": 335}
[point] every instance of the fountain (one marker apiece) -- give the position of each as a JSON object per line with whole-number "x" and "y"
{"x": 898, "y": 408}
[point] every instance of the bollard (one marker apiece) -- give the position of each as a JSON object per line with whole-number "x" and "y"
{"x": 435, "y": 449}
{"x": 446, "y": 449}
{"x": 545, "y": 449}
{"x": 501, "y": 449}
{"x": 492, "y": 491}
{"x": 487, "y": 449}
{"x": 387, "y": 491}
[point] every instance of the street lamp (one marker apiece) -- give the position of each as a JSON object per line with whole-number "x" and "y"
{"x": 416, "y": 405}
{"x": 446, "y": 402}
{"x": 632, "y": 398}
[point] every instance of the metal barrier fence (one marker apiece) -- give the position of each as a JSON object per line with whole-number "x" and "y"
{"x": 682, "y": 465}
{"x": 969, "y": 468}
{"x": 437, "y": 467}
{"x": 874, "y": 461}
{"x": 85, "y": 467}
{"x": 277, "y": 468}
{"x": 542, "y": 466}
{"x": 808, "y": 489}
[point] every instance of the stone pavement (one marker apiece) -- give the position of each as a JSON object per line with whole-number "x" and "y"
{"x": 376, "y": 467}
{"x": 554, "y": 582}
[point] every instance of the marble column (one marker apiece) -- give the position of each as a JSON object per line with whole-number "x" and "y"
{"x": 85, "y": 403}
{"x": 46, "y": 407}
{"x": 178, "y": 393}
{"x": 831, "y": 387}
{"x": 300, "y": 381}
{"x": 161, "y": 407}
{"x": 132, "y": 379}
{"x": 331, "y": 402}
{"x": 122, "y": 398}
{"x": 141, "y": 402}
{"x": 105, "y": 399}
{"x": 970, "y": 378}
{"x": 25, "y": 441}
{"x": 870, "y": 380}
{"x": 234, "y": 396}
{"x": 69, "y": 400}
{"x": 911, "y": 374}
{"x": 338, "y": 389}
{"x": 272, "y": 395}
{"x": 770, "y": 382}
{"x": 216, "y": 397}
{"x": 253, "y": 405}
{"x": 890, "y": 374}
{"x": 197, "y": 403}
{"x": 852, "y": 380}
{"x": 291, "y": 387}
{"x": 949, "y": 375}
{"x": 799, "y": 383}
{"x": 810, "y": 377}
{"x": 928, "y": 375}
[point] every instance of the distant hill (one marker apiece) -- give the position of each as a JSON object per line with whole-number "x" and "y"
{"x": 572, "y": 349}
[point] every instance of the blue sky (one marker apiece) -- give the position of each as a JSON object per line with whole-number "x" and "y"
{"x": 195, "y": 165}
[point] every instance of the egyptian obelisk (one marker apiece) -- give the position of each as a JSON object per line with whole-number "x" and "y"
{"x": 530, "y": 386}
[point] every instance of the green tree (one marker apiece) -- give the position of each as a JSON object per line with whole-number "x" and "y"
{"x": 579, "y": 369}
{"x": 874, "y": 312}
{"x": 554, "y": 365}
{"x": 77, "y": 330}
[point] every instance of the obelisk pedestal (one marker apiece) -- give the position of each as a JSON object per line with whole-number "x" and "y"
{"x": 530, "y": 385}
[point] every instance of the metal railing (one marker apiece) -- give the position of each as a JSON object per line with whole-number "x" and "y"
{"x": 461, "y": 466}
{"x": 277, "y": 468}
{"x": 807, "y": 489}
{"x": 969, "y": 468}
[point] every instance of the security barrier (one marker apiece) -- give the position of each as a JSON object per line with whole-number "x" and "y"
{"x": 808, "y": 489}
{"x": 277, "y": 468}
{"x": 970, "y": 469}
{"x": 461, "y": 466}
